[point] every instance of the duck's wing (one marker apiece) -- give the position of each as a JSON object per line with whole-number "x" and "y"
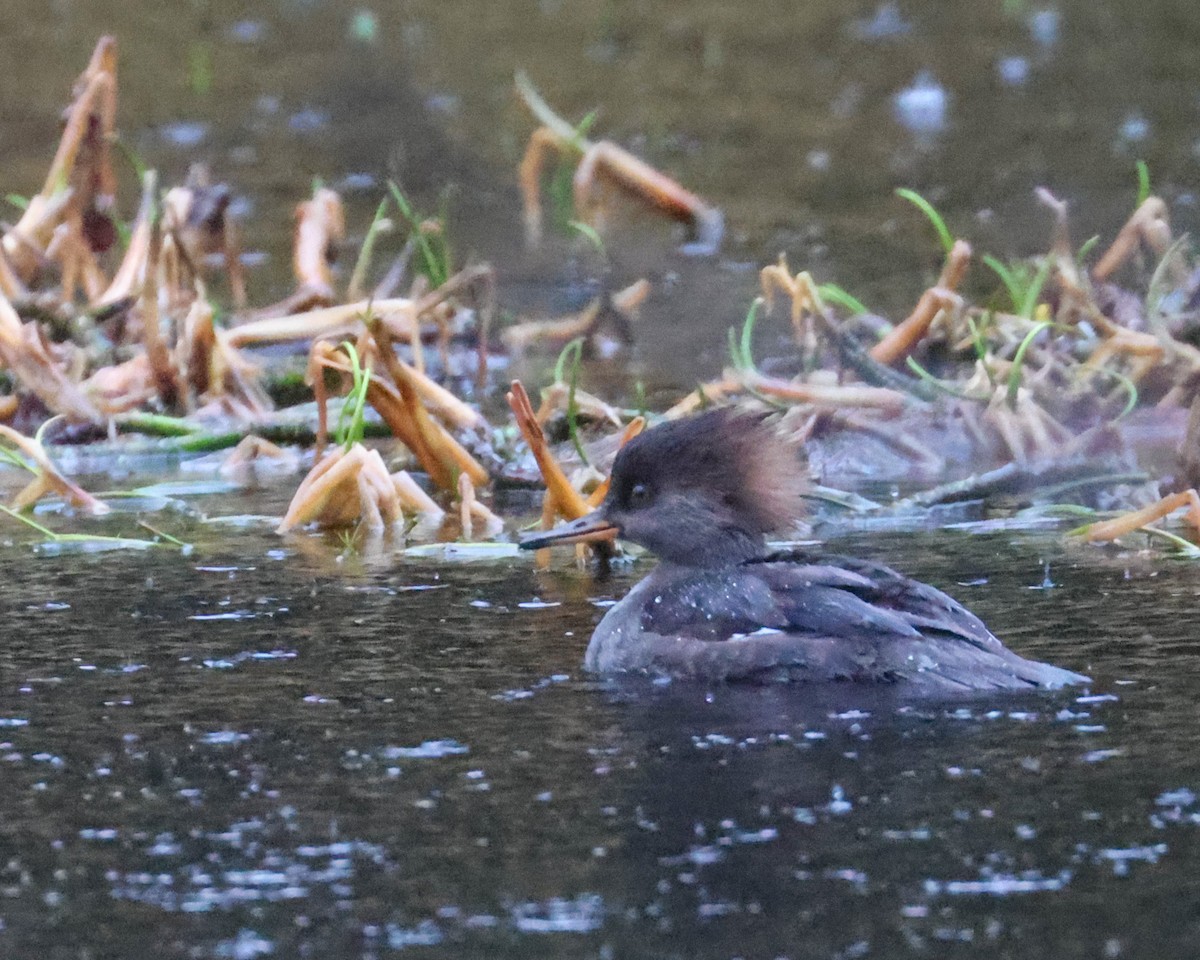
{"x": 791, "y": 617}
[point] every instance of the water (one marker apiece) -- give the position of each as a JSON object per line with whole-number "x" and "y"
{"x": 285, "y": 748}
{"x": 288, "y": 750}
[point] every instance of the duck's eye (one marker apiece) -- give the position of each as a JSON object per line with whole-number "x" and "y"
{"x": 639, "y": 495}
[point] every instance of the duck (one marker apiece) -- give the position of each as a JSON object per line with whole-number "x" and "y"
{"x": 702, "y": 493}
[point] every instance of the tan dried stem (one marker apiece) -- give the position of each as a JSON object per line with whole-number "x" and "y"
{"x": 320, "y": 228}
{"x": 166, "y": 377}
{"x": 91, "y": 120}
{"x": 328, "y": 322}
{"x": 214, "y": 371}
{"x": 25, "y": 352}
{"x": 705, "y": 394}
{"x": 470, "y": 509}
{"x": 557, "y": 333}
{"x": 567, "y": 501}
{"x": 603, "y": 163}
{"x": 1149, "y": 225}
{"x": 1138, "y": 519}
{"x": 441, "y": 455}
{"x": 130, "y": 275}
{"x": 10, "y": 284}
{"x": 830, "y": 395}
{"x": 47, "y": 478}
{"x": 905, "y": 336}
{"x": 344, "y": 488}
{"x": 557, "y": 397}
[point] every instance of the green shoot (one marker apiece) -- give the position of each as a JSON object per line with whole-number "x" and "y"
{"x": 588, "y": 232}
{"x": 940, "y": 385}
{"x": 574, "y": 351}
{"x": 134, "y": 159}
{"x": 741, "y": 354}
{"x": 367, "y": 250}
{"x": 980, "y": 345}
{"x": 1021, "y": 283}
{"x": 935, "y": 218}
{"x": 1014, "y": 278}
{"x": 13, "y": 458}
{"x": 434, "y": 250}
{"x": 639, "y": 395}
{"x": 1130, "y": 388}
{"x": 1029, "y": 303}
{"x": 1154, "y": 290}
{"x": 1018, "y": 362}
{"x": 18, "y": 201}
{"x": 1143, "y": 183}
{"x": 543, "y": 112}
{"x": 39, "y": 435}
{"x": 349, "y": 540}
{"x": 163, "y": 535}
{"x": 350, "y": 427}
{"x": 1185, "y": 547}
{"x": 29, "y": 522}
{"x": 561, "y": 188}
{"x": 832, "y": 293}
{"x": 49, "y": 536}
{"x": 1088, "y": 246}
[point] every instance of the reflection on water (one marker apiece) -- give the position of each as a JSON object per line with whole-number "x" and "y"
{"x": 256, "y": 750}
{"x": 268, "y": 748}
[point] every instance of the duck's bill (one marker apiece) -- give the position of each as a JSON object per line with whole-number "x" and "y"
{"x": 587, "y": 529}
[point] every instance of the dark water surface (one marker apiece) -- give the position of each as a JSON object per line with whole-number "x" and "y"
{"x": 281, "y": 748}
{"x": 276, "y": 747}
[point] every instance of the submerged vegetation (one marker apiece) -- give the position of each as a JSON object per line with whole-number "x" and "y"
{"x": 1030, "y": 384}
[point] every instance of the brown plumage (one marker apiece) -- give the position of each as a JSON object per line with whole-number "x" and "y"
{"x": 717, "y": 482}
{"x": 738, "y": 454}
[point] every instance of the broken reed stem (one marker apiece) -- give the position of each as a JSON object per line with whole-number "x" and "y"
{"x": 444, "y": 455}
{"x": 904, "y": 337}
{"x": 1136, "y": 519}
{"x": 566, "y": 500}
{"x": 1149, "y": 223}
{"x": 320, "y": 227}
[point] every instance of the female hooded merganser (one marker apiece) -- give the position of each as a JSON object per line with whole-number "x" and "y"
{"x": 702, "y": 493}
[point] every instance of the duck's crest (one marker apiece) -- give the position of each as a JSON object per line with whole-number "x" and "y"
{"x": 737, "y": 454}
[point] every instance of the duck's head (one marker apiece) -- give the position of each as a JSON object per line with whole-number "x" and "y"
{"x": 702, "y": 491}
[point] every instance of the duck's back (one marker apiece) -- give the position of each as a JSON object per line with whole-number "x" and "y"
{"x": 792, "y": 617}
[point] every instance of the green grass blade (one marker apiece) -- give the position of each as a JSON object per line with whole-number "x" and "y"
{"x": 1018, "y": 363}
{"x": 367, "y": 250}
{"x": 1013, "y": 284}
{"x": 940, "y": 385}
{"x": 1143, "y": 182}
{"x": 587, "y": 231}
{"x": 935, "y": 218}
{"x": 572, "y": 353}
{"x": 351, "y": 427}
{"x": 1030, "y": 301}
{"x": 835, "y": 294}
